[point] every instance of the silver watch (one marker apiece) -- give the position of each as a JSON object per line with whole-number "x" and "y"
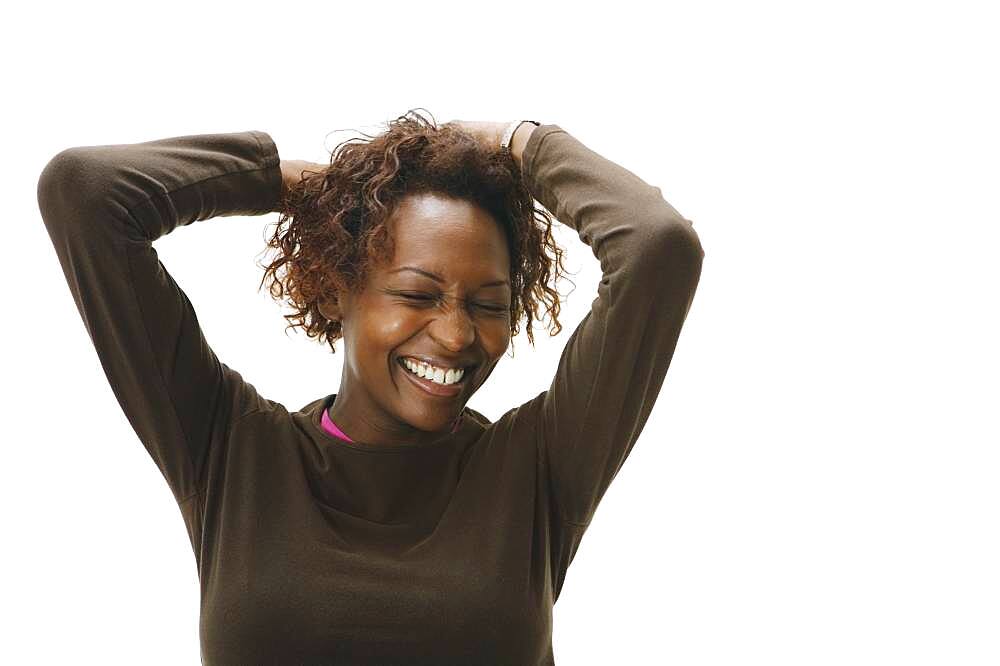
{"x": 509, "y": 133}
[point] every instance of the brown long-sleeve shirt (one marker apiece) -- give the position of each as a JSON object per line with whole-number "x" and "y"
{"x": 314, "y": 550}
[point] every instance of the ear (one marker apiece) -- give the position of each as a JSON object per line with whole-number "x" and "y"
{"x": 330, "y": 309}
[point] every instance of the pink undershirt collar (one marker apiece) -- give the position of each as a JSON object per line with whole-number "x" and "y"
{"x": 331, "y": 427}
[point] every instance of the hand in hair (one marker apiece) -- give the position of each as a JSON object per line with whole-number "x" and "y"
{"x": 292, "y": 171}
{"x": 490, "y": 134}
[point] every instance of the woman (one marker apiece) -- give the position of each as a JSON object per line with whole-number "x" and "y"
{"x": 386, "y": 523}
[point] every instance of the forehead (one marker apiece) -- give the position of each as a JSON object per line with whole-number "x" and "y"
{"x": 448, "y": 236}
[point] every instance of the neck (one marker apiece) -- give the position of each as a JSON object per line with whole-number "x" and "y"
{"x": 388, "y": 432}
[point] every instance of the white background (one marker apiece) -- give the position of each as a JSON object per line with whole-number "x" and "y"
{"x": 818, "y": 482}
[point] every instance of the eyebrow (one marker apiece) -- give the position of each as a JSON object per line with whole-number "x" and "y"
{"x": 438, "y": 278}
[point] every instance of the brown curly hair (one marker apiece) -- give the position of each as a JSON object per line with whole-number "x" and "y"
{"x": 336, "y": 219}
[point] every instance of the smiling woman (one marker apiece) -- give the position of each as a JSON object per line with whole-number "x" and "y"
{"x": 437, "y": 257}
{"x": 338, "y": 218}
{"x": 413, "y": 530}
{"x": 448, "y": 322}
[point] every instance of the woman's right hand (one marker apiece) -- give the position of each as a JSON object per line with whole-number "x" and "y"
{"x": 291, "y": 173}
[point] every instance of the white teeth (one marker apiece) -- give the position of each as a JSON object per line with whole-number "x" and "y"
{"x": 434, "y": 374}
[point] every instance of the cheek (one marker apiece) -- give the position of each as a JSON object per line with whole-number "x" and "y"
{"x": 391, "y": 328}
{"x": 399, "y": 323}
{"x": 495, "y": 337}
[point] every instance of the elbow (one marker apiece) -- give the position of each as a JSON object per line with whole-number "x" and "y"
{"x": 66, "y": 171}
{"x": 686, "y": 233}
{"x": 671, "y": 254}
{"x": 676, "y": 231}
{"x": 59, "y": 176}
{"x": 70, "y": 182}
{"x": 677, "y": 240}
{"x": 54, "y": 184}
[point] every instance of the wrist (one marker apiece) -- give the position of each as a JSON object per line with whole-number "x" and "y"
{"x": 520, "y": 139}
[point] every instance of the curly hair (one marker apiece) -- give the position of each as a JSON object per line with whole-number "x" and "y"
{"x": 336, "y": 219}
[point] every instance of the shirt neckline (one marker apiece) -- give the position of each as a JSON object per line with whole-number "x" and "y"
{"x": 316, "y": 421}
{"x": 331, "y": 427}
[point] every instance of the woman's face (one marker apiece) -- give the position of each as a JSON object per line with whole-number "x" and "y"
{"x": 459, "y": 319}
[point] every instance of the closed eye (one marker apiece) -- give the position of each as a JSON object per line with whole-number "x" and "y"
{"x": 426, "y": 298}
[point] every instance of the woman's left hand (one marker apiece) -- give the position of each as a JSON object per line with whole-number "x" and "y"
{"x": 489, "y": 133}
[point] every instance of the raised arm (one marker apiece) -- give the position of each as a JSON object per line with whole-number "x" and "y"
{"x": 614, "y": 363}
{"x": 103, "y": 206}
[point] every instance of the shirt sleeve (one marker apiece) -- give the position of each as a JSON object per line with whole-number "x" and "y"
{"x": 615, "y": 361}
{"x": 103, "y": 206}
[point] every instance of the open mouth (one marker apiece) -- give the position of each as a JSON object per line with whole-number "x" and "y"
{"x": 433, "y": 388}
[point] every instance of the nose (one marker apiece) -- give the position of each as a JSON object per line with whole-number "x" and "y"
{"x": 453, "y": 328}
